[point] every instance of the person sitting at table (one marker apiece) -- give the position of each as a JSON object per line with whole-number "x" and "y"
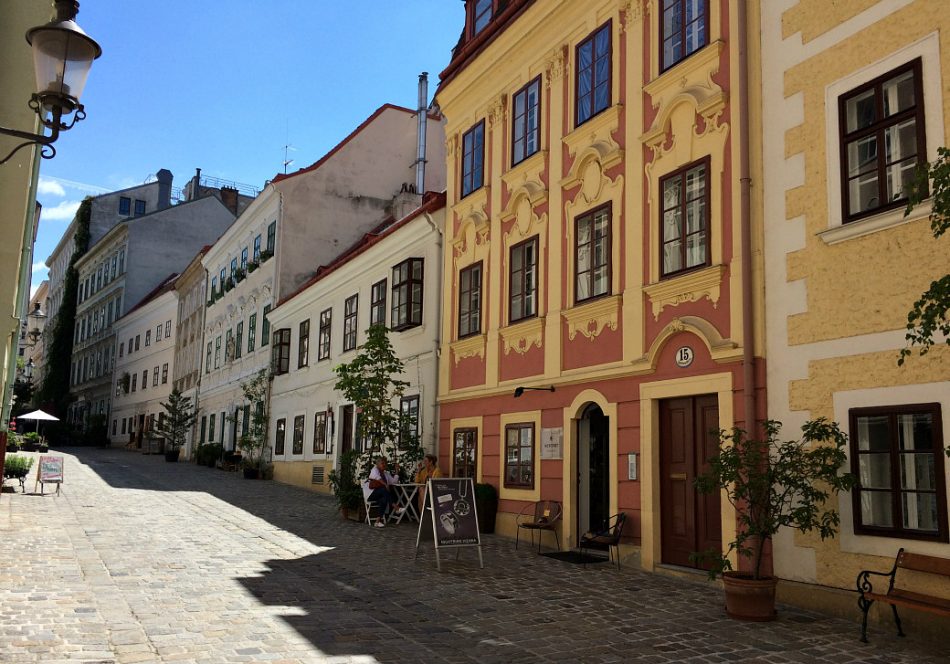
{"x": 381, "y": 483}
{"x": 428, "y": 469}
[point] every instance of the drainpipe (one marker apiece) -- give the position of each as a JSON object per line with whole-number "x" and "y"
{"x": 745, "y": 225}
{"x": 422, "y": 118}
{"x": 23, "y": 284}
{"x": 437, "y": 342}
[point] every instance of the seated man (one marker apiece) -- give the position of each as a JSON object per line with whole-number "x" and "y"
{"x": 381, "y": 492}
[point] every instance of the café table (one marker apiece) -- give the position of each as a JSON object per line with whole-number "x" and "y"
{"x": 406, "y": 495}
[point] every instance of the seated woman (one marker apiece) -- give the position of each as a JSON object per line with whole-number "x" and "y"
{"x": 381, "y": 491}
{"x": 429, "y": 468}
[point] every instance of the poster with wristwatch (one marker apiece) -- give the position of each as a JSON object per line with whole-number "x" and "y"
{"x": 454, "y": 518}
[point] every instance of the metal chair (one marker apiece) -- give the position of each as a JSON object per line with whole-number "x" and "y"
{"x": 546, "y": 515}
{"x": 607, "y": 536}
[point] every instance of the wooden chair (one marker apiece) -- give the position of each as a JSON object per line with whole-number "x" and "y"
{"x": 543, "y": 515}
{"x": 607, "y": 536}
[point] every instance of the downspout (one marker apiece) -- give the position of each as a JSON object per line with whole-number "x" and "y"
{"x": 437, "y": 342}
{"x": 23, "y": 284}
{"x": 745, "y": 225}
{"x": 422, "y": 119}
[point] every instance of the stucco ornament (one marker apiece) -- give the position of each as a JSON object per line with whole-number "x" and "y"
{"x": 555, "y": 65}
{"x": 632, "y": 12}
{"x": 526, "y": 220}
{"x": 521, "y": 337}
{"x": 468, "y": 348}
{"x": 497, "y": 111}
{"x": 590, "y": 320}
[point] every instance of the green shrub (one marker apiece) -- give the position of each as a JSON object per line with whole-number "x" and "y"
{"x": 208, "y": 454}
{"x": 17, "y": 467}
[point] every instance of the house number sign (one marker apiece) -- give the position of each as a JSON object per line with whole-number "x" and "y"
{"x": 684, "y": 357}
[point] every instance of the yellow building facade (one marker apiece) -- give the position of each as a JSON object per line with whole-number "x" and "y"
{"x": 585, "y": 329}
{"x": 855, "y": 96}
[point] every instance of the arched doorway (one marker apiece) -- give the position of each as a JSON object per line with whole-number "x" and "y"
{"x": 593, "y": 468}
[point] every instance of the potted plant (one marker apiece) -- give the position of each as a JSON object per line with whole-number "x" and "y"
{"x": 486, "y": 506}
{"x": 208, "y": 454}
{"x": 772, "y": 484}
{"x": 253, "y": 265}
{"x": 266, "y": 255}
{"x": 250, "y": 468}
{"x": 179, "y": 416}
{"x": 17, "y": 468}
{"x": 345, "y": 485}
{"x": 253, "y": 442}
{"x": 13, "y": 442}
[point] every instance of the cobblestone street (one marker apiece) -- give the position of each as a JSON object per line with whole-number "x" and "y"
{"x": 143, "y": 561}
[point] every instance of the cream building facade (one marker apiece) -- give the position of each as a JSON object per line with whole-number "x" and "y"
{"x": 854, "y": 97}
{"x": 191, "y": 292}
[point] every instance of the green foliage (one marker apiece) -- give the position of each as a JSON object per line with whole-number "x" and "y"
{"x": 17, "y": 467}
{"x": 179, "y": 416}
{"x": 344, "y": 482}
{"x": 208, "y": 454}
{"x": 774, "y": 484}
{"x": 253, "y": 442}
{"x": 929, "y": 315}
{"x": 54, "y": 389}
{"x": 370, "y": 382}
{"x": 32, "y": 437}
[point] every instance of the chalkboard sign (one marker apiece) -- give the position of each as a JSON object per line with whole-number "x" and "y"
{"x": 450, "y": 507}
{"x": 49, "y": 471}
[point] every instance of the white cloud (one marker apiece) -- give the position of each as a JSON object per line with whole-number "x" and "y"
{"x": 65, "y": 211}
{"x": 38, "y": 266}
{"x": 48, "y": 187}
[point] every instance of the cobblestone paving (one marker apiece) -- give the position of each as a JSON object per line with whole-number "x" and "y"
{"x": 144, "y": 561}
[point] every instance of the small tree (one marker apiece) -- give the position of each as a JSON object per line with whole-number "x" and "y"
{"x": 179, "y": 416}
{"x": 371, "y": 382}
{"x": 929, "y": 315}
{"x": 253, "y": 442}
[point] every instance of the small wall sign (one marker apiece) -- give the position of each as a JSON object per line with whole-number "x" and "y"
{"x": 552, "y": 443}
{"x": 684, "y": 356}
{"x": 632, "y": 466}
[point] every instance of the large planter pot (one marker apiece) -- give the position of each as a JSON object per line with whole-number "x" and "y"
{"x": 171, "y": 456}
{"x": 251, "y": 473}
{"x": 487, "y": 511}
{"x": 748, "y": 598}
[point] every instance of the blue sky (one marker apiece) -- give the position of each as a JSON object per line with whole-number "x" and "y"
{"x": 223, "y": 86}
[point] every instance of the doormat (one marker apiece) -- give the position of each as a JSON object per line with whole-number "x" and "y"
{"x": 575, "y": 557}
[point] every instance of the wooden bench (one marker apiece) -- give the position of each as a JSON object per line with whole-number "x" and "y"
{"x": 898, "y": 597}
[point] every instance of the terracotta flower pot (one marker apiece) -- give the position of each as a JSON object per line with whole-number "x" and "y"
{"x": 748, "y": 598}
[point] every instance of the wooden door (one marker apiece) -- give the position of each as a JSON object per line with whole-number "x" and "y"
{"x": 689, "y": 521}
{"x": 346, "y": 417}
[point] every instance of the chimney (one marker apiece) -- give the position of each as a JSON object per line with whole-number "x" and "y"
{"x": 164, "y": 178}
{"x": 196, "y": 185}
{"x": 229, "y": 196}
{"x": 423, "y": 116}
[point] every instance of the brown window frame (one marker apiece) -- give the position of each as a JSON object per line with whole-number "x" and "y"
{"x": 300, "y": 423}
{"x": 406, "y": 301}
{"x": 520, "y": 462}
{"x": 472, "y": 18}
{"x": 303, "y": 344}
{"x": 523, "y": 121}
{"x": 592, "y": 268}
{"x": 320, "y": 433}
{"x": 664, "y": 65}
{"x": 377, "y": 303}
{"x": 324, "y": 334}
{"x": 470, "y": 294}
{"x": 405, "y": 424}
{"x": 878, "y": 129}
{"x": 898, "y": 531}
{"x": 351, "y": 307}
{"x": 591, "y": 39}
{"x": 280, "y": 434}
{"x": 467, "y": 469}
{"x": 523, "y": 295}
{"x": 707, "y": 222}
{"x": 467, "y": 170}
{"x": 280, "y": 351}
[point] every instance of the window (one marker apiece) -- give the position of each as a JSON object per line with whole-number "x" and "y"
{"x": 223, "y": 424}
{"x": 121, "y": 261}
{"x": 165, "y": 373}
{"x": 265, "y": 327}
{"x": 271, "y": 236}
{"x": 155, "y": 377}
{"x": 125, "y": 424}
{"x": 298, "y": 434}
{"x": 897, "y": 455}
{"x": 323, "y": 338}
{"x": 320, "y": 433}
{"x": 350, "y": 309}
{"x": 473, "y": 158}
{"x": 407, "y": 294}
{"x": 158, "y": 333}
{"x": 408, "y": 419}
{"x": 279, "y": 436}
{"x": 228, "y": 346}
{"x": 593, "y": 75}
{"x": 234, "y": 267}
{"x": 684, "y": 29}
{"x": 130, "y": 345}
{"x": 168, "y": 328}
{"x": 217, "y": 351}
{"x": 145, "y": 379}
{"x": 121, "y": 350}
{"x": 139, "y": 208}
{"x": 211, "y": 428}
{"x": 464, "y": 442}
{"x": 246, "y": 422}
{"x": 238, "y": 339}
{"x": 280, "y": 353}
{"x": 592, "y": 255}
{"x": 257, "y": 248}
{"x": 523, "y": 281}
{"x": 251, "y": 331}
{"x": 224, "y": 277}
{"x": 526, "y": 122}
{"x": 214, "y": 287}
{"x": 481, "y": 16}
{"x": 125, "y": 206}
{"x": 470, "y": 300}
{"x": 204, "y": 427}
{"x": 115, "y": 423}
{"x": 519, "y": 456}
{"x": 148, "y": 338}
{"x": 303, "y": 345}
{"x": 685, "y": 221}
{"x": 377, "y": 303}
{"x": 244, "y": 259}
{"x": 882, "y": 141}
{"x": 208, "y": 359}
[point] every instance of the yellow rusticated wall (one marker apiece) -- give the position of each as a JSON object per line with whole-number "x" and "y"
{"x": 299, "y": 473}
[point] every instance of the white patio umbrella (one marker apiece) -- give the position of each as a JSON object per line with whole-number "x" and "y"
{"x": 39, "y": 416}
